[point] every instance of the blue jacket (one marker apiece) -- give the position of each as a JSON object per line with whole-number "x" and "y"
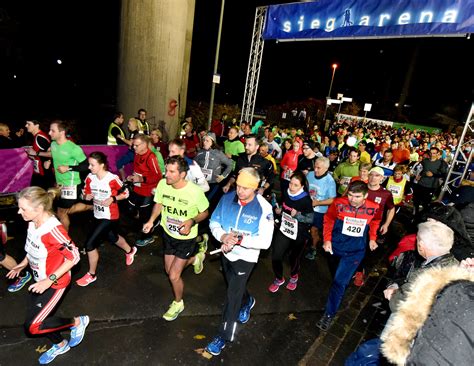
{"x": 254, "y": 221}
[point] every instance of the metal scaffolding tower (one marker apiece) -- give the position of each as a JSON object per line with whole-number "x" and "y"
{"x": 456, "y": 171}
{"x": 255, "y": 63}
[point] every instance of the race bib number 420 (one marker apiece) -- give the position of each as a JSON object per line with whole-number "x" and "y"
{"x": 353, "y": 226}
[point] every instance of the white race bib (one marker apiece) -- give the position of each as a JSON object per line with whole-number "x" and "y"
{"x": 289, "y": 226}
{"x": 353, "y": 226}
{"x": 36, "y": 164}
{"x": 99, "y": 210}
{"x": 69, "y": 192}
{"x": 207, "y": 173}
{"x": 396, "y": 190}
{"x": 173, "y": 225}
{"x": 344, "y": 181}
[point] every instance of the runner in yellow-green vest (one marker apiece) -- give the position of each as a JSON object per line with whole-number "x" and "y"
{"x": 346, "y": 170}
{"x": 399, "y": 186}
{"x": 115, "y": 134}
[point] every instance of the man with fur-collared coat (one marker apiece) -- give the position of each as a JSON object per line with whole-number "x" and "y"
{"x": 434, "y": 324}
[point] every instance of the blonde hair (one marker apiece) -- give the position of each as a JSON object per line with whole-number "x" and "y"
{"x": 366, "y": 166}
{"x": 37, "y": 197}
{"x": 158, "y": 133}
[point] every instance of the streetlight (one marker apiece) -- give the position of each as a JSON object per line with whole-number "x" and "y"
{"x": 215, "y": 77}
{"x": 334, "y": 67}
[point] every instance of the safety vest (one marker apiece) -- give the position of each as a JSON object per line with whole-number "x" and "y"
{"x": 143, "y": 127}
{"x": 111, "y": 140}
{"x": 397, "y": 189}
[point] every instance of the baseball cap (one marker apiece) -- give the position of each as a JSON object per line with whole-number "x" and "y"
{"x": 377, "y": 170}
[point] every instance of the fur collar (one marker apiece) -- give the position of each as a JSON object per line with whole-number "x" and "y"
{"x": 403, "y": 325}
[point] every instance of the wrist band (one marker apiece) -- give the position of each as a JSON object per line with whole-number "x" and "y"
{"x": 114, "y": 198}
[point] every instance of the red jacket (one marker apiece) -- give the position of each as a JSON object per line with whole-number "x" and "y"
{"x": 146, "y": 165}
{"x": 347, "y": 227}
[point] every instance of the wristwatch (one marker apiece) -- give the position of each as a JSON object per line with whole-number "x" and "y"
{"x": 53, "y": 278}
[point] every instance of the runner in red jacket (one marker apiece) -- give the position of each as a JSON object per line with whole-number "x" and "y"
{"x": 348, "y": 222}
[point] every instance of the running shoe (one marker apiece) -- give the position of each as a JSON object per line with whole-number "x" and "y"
{"x": 216, "y": 346}
{"x": 325, "y": 322}
{"x": 199, "y": 262}
{"x": 359, "y": 279}
{"x": 86, "y": 280}
{"x": 78, "y": 331}
{"x": 129, "y": 257}
{"x": 293, "y": 283}
{"x": 203, "y": 244}
{"x": 275, "y": 286}
{"x": 175, "y": 309}
{"x": 54, "y": 351}
{"x": 244, "y": 314}
{"x": 20, "y": 283}
{"x": 144, "y": 242}
{"x": 311, "y": 255}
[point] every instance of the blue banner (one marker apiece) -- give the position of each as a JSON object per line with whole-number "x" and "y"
{"x": 326, "y": 19}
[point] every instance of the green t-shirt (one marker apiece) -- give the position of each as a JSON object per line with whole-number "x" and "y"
{"x": 68, "y": 154}
{"x": 233, "y": 148}
{"x": 159, "y": 157}
{"x": 180, "y": 205}
{"x": 344, "y": 172}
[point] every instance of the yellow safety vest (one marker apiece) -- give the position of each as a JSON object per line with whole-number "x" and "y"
{"x": 397, "y": 189}
{"x": 111, "y": 140}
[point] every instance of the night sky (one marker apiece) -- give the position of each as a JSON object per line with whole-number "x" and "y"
{"x": 84, "y": 35}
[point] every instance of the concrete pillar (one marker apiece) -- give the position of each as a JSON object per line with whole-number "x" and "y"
{"x": 155, "y": 51}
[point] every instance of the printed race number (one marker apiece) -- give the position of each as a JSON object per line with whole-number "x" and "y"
{"x": 173, "y": 225}
{"x": 69, "y": 192}
{"x": 354, "y": 226}
{"x": 289, "y": 226}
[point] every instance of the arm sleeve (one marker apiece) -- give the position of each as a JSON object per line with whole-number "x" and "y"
{"x": 374, "y": 226}
{"x": 43, "y": 143}
{"x": 265, "y": 230}
{"x": 153, "y": 175}
{"x": 337, "y": 172}
{"x": 268, "y": 172}
{"x": 115, "y": 132}
{"x": 228, "y": 164}
{"x": 64, "y": 244}
{"x": 116, "y": 187}
{"x": 161, "y": 161}
{"x": 305, "y": 218}
{"x": 329, "y": 221}
{"x": 198, "y": 177}
{"x": 278, "y": 149}
{"x": 83, "y": 166}
{"x": 87, "y": 186}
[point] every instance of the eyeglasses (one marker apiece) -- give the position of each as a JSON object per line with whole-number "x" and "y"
{"x": 136, "y": 145}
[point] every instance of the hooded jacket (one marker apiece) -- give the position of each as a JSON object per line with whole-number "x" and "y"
{"x": 434, "y": 325}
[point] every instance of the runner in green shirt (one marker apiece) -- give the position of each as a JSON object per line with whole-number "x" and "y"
{"x": 346, "y": 170}
{"x": 68, "y": 161}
